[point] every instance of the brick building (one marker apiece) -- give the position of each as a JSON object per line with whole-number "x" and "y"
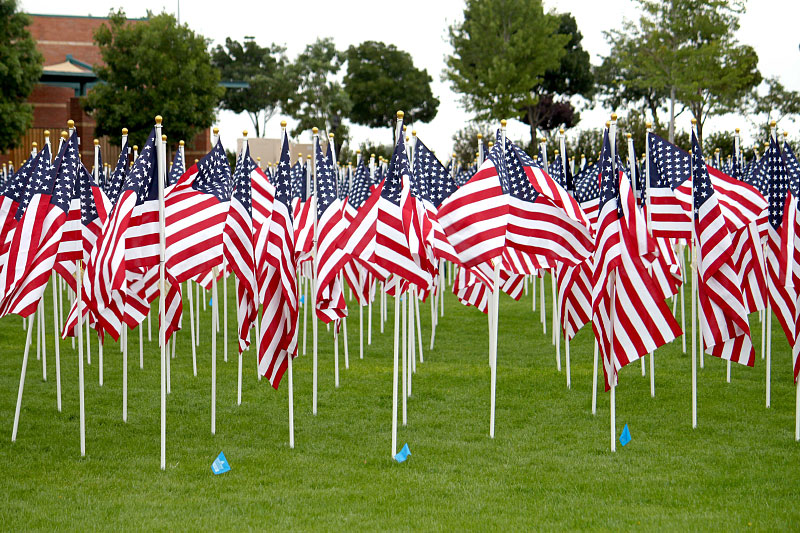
{"x": 66, "y": 42}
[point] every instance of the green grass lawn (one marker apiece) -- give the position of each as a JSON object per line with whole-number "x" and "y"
{"x": 549, "y": 466}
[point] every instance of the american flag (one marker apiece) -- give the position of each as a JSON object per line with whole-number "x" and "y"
{"x": 359, "y": 238}
{"x": 195, "y": 210}
{"x": 543, "y": 220}
{"x": 558, "y": 173}
{"x": 128, "y": 231}
{"x": 13, "y": 195}
{"x": 303, "y": 206}
{"x": 239, "y": 242}
{"x": 670, "y": 193}
{"x": 88, "y": 210}
{"x": 178, "y": 167}
{"x": 622, "y": 287}
{"x": 771, "y": 176}
{"x": 114, "y": 185}
{"x": 790, "y": 245}
{"x": 464, "y": 175}
{"x": 330, "y": 259}
{"x": 42, "y": 205}
{"x": 587, "y": 192}
{"x": 399, "y": 242}
{"x": 726, "y": 333}
{"x": 278, "y": 285}
{"x": 475, "y": 217}
{"x": 437, "y": 185}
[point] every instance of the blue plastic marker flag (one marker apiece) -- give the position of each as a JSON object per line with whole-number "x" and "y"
{"x": 302, "y": 299}
{"x": 403, "y": 454}
{"x": 210, "y": 302}
{"x": 625, "y": 438}
{"x": 220, "y": 464}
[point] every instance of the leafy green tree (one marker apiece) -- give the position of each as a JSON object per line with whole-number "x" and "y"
{"x": 688, "y": 49}
{"x": 502, "y": 50}
{"x": 380, "y": 150}
{"x": 778, "y": 104}
{"x": 381, "y": 79}
{"x": 319, "y": 100}
{"x": 153, "y": 67}
{"x": 20, "y": 69}
{"x": 572, "y": 77}
{"x": 265, "y": 69}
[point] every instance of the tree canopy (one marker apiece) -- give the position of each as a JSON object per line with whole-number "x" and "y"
{"x": 381, "y": 79}
{"x": 153, "y": 67}
{"x": 20, "y": 69}
{"x": 265, "y": 69}
{"x": 686, "y": 49}
{"x": 502, "y": 51}
{"x": 572, "y": 77}
{"x": 318, "y": 99}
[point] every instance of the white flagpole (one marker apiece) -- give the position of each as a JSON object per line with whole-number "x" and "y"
{"x": 612, "y": 373}
{"x": 768, "y": 326}
{"x": 141, "y": 346}
{"x": 696, "y": 331}
{"x": 649, "y": 223}
{"x": 191, "y": 327}
{"x": 22, "y": 383}
{"x": 97, "y": 179}
{"x": 632, "y": 165}
{"x": 124, "y": 373}
{"x": 225, "y": 311}
{"x": 360, "y": 330}
{"x": 214, "y": 312}
{"x": 493, "y": 340}
{"x": 556, "y": 294}
{"x": 394, "y": 370}
{"x": 239, "y": 374}
{"x": 403, "y": 334}
{"x": 314, "y": 325}
{"x": 419, "y": 327}
{"x": 594, "y": 380}
{"x": 162, "y": 292}
{"x": 79, "y": 327}
{"x": 56, "y": 317}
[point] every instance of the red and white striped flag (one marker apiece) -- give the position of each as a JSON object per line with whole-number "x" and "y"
{"x": 622, "y": 287}
{"x": 278, "y": 284}
{"x": 726, "y": 333}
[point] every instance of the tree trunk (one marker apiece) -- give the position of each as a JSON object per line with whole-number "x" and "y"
{"x": 672, "y": 114}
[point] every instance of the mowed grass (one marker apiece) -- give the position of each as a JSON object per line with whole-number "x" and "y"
{"x": 549, "y": 466}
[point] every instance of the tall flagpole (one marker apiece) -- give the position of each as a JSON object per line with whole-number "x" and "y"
{"x": 613, "y": 359}
{"x": 162, "y": 291}
{"x": 289, "y": 372}
{"x": 56, "y": 320}
{"x": 99, "y": 338}
{"x": 696, "y": 331}
{"x": 632, "y": 165}
{"x": 314, "y": 325}
{"x": 768, "y": 321}
{"x": 557, "y": 295}
{"x": 398, "y": 131}
{"x": 542, "y": 309}
{"x": 649, "y": 222}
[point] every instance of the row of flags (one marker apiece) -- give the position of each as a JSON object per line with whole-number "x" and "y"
{"x": 609, "y": 234}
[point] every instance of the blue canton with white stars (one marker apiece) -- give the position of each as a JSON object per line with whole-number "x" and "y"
{"x": 326, "y": 181}
{"x": 242, "y": 185}
{"x": 298, "y": 175}
{"x": 437, "y": 182}
{"x": 16, "y": 186}
{"x": 361, "y": 186}
{"x": 282, "y": 179}
{"x": 58, "y": 182}
{"x": 771, "y": 177}
{"x": 701, "y": 180}
{"x": 519, "y": 185}
{"x": 586, "y": 184}
{"x": 609, "y": 184}
{"x": 669, "y": 165}
{"x": 793, "y": 168}
{"x": 143, "y": 177}
{"x": 178, "y": 168}
{"x": 114, "y": 186}
{"x": 214, "y": 174}
{"x": 398, "y": 168}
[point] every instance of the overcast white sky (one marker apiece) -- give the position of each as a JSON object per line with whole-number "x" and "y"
{"x": 769, "y": 26}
